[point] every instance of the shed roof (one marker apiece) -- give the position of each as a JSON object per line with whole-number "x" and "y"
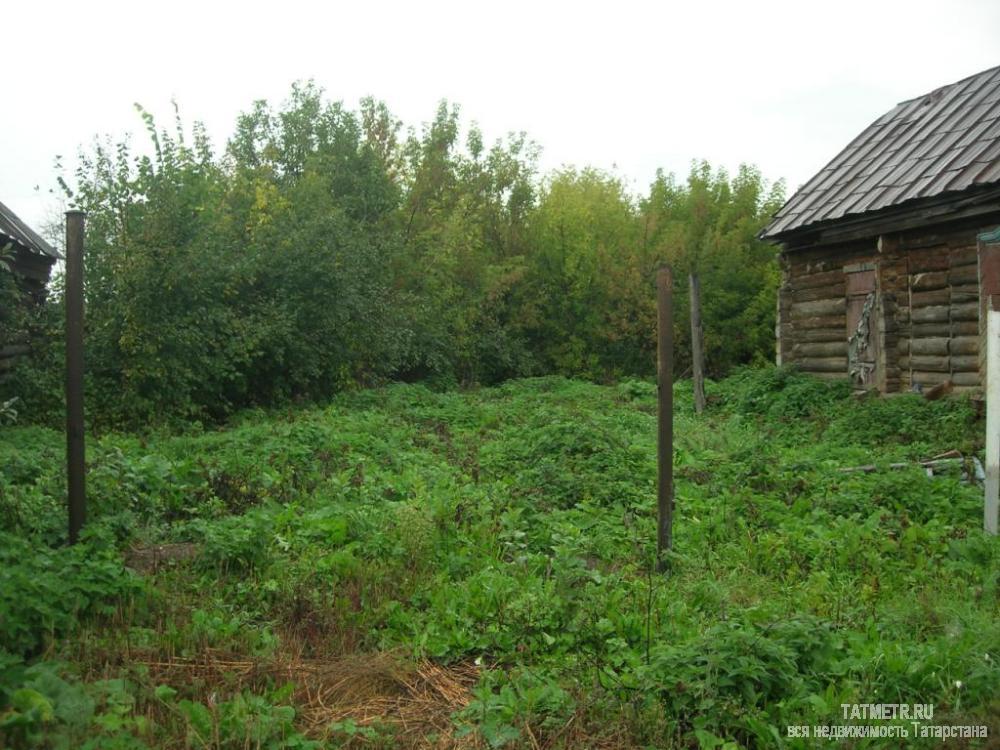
{"x": 946, "y": 141}
{"x": 12, "y": 229}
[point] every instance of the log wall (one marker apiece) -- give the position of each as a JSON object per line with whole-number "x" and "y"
{"x": 32, "y": 273}
{"x": 813, "y": 306}
{"x": 928, "y": 308}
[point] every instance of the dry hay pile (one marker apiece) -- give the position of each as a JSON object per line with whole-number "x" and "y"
{"x": 414, "y": 700}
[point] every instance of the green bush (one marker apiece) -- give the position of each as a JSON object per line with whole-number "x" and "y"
{"x": 46, "y": 594}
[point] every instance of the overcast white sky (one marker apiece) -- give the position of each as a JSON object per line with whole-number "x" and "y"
{"x": 631, "y": 85}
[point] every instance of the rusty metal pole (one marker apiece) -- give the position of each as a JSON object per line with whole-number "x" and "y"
{"x": 665, "y": 414}
{"x": 75, "y": 464}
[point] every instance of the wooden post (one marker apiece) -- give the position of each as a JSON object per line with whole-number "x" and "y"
{"x": 992, "y": 484}
{"x": 75, "y": 464}
{"x": 697, "y": 344}
{"x": 665, "y": 416}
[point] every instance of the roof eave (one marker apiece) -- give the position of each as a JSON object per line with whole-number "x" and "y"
{"x": 910, "y": 215}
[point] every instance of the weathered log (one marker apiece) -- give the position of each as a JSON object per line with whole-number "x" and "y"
{"x": 830, "y": 375}
{"x": 823, "y": 364}
{"x": 965, "y": 362}
{"x": 958, "y": 296}
{"x": 920, "y": 282}
{"x": 815, "y": 280}
{"x": 814, "y": 294}
{"x": 929, "y": 346}
{"x": 928, "y": 259}
{"x": 967, "y": 378}
{"x": 964, "y": 256}
{"x": 827, "y": 322}
{"x": 826, "y": 349}
{"x": 968, "y": 389}
{"x": 819, "y": 308}
{"x": 818, "y": 335}
{"x": 922, "y": 238}
{"x": 965, "y": 311}
{"x": 931, "y": 298}
{"x": 930, "y": 364}
{"x": 963, "y": 275}
{"x": 964, "y": 345}
{"x": 934, "y": 314}
{"x": 925, "y": 378}
{"x": 930, "y": 330}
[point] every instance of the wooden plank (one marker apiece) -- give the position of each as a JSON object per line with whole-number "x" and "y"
{"x": 860, "y": 283}
{"x": 989, "y": 270}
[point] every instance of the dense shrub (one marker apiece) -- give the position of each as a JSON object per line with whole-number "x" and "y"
{"x": 324, "y": 249}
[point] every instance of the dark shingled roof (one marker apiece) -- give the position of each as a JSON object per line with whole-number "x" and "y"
{"x": 943, "y": 142}
{"x": 12, "y": 229}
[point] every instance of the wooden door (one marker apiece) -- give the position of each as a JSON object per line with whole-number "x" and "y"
{"x": 862, "y": 321}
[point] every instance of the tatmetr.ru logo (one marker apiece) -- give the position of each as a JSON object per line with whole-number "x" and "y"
{"x": 888, "y": 711}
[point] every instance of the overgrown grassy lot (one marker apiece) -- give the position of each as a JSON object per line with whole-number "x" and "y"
{"x": 405, "y": 568}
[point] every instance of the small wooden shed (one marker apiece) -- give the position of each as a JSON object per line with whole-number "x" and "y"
{"x": 31, "y": 259}
{"x": 884, "y": 277}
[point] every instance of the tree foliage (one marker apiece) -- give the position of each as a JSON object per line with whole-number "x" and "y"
{"x": 325, "y": 247}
